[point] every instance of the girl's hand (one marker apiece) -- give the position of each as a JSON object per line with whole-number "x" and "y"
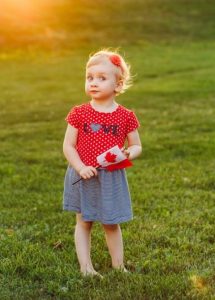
{"x": 87, "y": 172}
{"x": 126, "y": 152}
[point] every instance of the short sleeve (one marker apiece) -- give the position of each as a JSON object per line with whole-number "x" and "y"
{"x": 73, "y": 118}
{"x": 132, "y": 123}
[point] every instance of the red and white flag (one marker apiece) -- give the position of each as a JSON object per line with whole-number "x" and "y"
{"x": 113, "y": 159}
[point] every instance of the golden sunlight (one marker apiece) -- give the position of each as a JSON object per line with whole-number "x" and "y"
{"x": 19, "y": 6}
{"x": 22, "y": 12}
{"x": 17, "y": 12}
{"x": 32, "y": 21}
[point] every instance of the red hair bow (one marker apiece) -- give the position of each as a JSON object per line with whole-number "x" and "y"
{"x": 115, "y": 59}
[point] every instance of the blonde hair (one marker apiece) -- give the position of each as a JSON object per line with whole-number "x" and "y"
{"x": 122, "y": 71}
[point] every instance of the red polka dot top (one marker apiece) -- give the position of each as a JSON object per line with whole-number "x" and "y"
{"x": 100, "y": 131}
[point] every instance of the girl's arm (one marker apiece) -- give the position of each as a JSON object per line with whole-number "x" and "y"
{"x": 134, "y": 145}
{"x": 71, "y": 154}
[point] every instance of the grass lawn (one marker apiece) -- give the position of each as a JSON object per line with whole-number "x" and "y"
{"x": 169, "y": 245}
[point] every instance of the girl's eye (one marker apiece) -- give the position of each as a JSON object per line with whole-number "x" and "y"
{"x": 89, "y": 77}
{"x": 102, "y": 78}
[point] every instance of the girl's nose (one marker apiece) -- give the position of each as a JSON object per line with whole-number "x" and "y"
{"x": 93, "y": 84}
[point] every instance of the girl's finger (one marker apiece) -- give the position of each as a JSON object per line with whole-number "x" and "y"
{"x": 90, "y": 174}
{"x": 95, "y": 171}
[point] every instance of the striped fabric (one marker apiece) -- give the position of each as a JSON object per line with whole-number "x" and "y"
{"x": 104, "y": 198}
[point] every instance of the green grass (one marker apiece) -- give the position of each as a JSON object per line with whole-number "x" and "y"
{"x": 169, "y": 246}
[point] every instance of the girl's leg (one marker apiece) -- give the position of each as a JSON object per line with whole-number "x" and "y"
{"x": 114, "y": 241}
{"x": 83, "y": 245}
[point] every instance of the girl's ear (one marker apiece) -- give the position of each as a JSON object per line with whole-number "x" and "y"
{"x": 119, "y": 86}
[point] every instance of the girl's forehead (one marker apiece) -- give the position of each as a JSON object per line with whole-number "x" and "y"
{"x": 102, "y": 67}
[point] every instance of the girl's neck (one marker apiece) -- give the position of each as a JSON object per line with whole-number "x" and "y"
{"x": 106, "y": 106}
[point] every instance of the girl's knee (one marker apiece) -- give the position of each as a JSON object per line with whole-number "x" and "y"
{"x": 110, "y": 227}
{"x": 84, "y": 224}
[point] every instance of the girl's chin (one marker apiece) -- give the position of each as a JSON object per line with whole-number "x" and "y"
{"x": 98, "y": 96}
{"x": 94, "y": 94}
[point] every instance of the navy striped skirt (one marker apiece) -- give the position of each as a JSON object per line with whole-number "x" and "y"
{"x": 104, "y": 198}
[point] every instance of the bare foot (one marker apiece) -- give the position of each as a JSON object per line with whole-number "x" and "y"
{"x": 123, "y": 269}
{"x": 91, "y": 272}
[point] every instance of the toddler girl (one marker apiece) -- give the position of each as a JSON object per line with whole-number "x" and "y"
{"x": 93, "y": 128}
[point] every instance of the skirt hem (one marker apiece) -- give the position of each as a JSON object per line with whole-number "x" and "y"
{"x": 85, "y": 218}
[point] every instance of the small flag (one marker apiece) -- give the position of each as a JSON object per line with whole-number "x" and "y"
{"x": 113, "y": 159}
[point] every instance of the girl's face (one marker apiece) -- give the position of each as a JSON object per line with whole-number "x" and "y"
{"x": 101, "y": 81}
